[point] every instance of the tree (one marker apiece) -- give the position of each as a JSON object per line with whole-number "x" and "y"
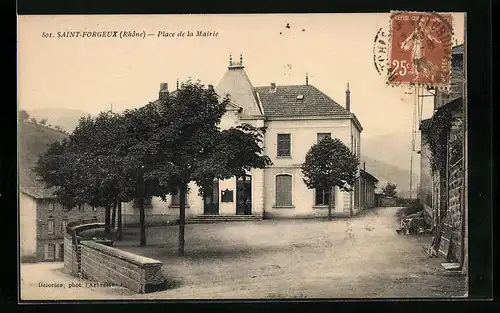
{"x": 329, "y": 164}
{"x": 389, "y": 190}
{"x": 43, "y": 121}
{"x": 86, "y": 167}
{"x": 33, "y": 120}
{"x": 196, "y": 148}
{"x": 23, "y": 115}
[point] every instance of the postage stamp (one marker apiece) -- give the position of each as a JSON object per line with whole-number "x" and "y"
{"x": 420, "y": 49}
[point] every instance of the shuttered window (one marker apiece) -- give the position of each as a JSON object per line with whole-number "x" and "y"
{"x": 284, "y": 144}
{"x": 50, "y": 225}
{"x": 283, "y": 190}
{"x": 50, "y": 252}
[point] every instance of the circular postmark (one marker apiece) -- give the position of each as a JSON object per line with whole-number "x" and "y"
{"x": 380, "y": 46}
{"x": 419, "y": 49}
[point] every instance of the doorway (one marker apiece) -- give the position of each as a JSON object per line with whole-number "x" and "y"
{"x": 244, "y": 195}
{"x": 211, "y": 200}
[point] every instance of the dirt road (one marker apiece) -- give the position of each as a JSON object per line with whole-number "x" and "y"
{"x": 360, "y": 257}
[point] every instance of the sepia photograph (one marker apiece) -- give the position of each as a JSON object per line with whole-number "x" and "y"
{"x": 242, "y": 156}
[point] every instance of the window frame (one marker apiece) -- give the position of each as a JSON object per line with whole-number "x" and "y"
{"x": 49, "y": 250}
{"x": 276, "y": 204}
{"x": 177, "y": 196}
{"x": 50, "y": 220}
{"x": 278, "y": 151}
{"x": 64, "y": 223}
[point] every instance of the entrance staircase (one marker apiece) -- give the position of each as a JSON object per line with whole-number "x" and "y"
{"x": 207, "y": 219}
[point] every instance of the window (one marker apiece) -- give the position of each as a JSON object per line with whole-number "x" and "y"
{"x": 81, "y": 208}
{"x": 147, "y": 203}
{"x": 284, "y": 145}
{"x": 176, "y": 199}
{"x": 51, "y": 251}
{"x": 64, "y": 223}
{"x": 61, "y": 252}
{"x": 52, "y": 206}
{"x": 322, "y": 196}
{"x": 321, "y": 136}
{"x": 284, "y": 190}
{"x": 50, "y": 226}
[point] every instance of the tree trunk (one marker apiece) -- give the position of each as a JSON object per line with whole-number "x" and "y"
{"x": 107, "y": 220}
{"x": 182, "y": 217}
{"x": 119, "y": 222}
{"x": 142, "y": 222}
{"x": 113, "y": 217}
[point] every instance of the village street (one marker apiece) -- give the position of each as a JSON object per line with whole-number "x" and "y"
{"x": 358, "y": 257}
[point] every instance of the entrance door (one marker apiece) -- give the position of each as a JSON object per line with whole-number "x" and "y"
{"x": 211, "y": 200}
{"x": 244, "y": 195}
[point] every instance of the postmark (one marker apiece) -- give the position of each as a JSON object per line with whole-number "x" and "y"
{"x": 419, "y": 51}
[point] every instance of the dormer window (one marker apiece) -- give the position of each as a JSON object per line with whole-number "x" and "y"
{"x": 300, "y": 97}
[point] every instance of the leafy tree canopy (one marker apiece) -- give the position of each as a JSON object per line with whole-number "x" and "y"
{"x": 390, "y": 190}
{"x": 330, "y": 163}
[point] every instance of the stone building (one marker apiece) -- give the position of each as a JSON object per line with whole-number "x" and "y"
{"x": 296, "y": 117}
{"x": 442, "y": 190}
{"x": 42, "y": 220}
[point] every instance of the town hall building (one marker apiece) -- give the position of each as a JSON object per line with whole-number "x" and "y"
{"x": 296, "y": 117}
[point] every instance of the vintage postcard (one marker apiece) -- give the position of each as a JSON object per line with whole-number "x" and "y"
{"x": 259, "y": 156}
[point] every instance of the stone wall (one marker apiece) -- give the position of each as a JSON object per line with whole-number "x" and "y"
{"x": 113, "y": 266}
{"x": 455, "y": 210}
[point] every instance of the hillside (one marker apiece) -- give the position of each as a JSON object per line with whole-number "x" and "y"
{"x": 66, "y": 118}
{"x": 385, "y": 172}
{"x": 33, "y": 141}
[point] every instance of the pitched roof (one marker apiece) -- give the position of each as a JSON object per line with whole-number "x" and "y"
{"x": 33, "y": 141}
{"x": 368, "y": 175}
{"x": 283, "y": 102}
{"x": 237, "y": 85}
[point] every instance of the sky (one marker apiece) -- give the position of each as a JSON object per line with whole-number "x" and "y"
{"x": 91, "y": 74}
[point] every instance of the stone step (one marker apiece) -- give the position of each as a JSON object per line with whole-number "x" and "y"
{"x": 222, "y": 218}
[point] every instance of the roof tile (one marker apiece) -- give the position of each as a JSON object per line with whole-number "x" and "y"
{"x": 283, "y": 102}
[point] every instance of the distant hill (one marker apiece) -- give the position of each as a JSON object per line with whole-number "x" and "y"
{"x": 387, "y": 156}
{"x": 33, "y": 141}
{"x": 66, "y": 118}
{"x": 385, "y": 172}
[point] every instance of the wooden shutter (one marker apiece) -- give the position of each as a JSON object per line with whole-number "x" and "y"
{"x": 284, "y": 190}
{"x": 56, "y": 251}
{"x": 283, "y": 145}
{"x": 46, "y": 251}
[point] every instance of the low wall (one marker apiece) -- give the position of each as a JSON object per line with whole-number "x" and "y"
{"x": 110, "y": 265}
{"x": 387, "y": 202}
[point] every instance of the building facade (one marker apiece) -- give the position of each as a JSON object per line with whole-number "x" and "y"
{"x": 446, "y": 210}
{"x": 42, "y": 219}
{"x": 296, "y": 117}
{"x": 42, "y": 226}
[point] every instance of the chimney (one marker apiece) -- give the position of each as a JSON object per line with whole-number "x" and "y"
{"x": 364, "y": 166}
{"x": 163, "y": 91}
{"x": 348, "y": 99}
{"x": 273, "y": 87}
